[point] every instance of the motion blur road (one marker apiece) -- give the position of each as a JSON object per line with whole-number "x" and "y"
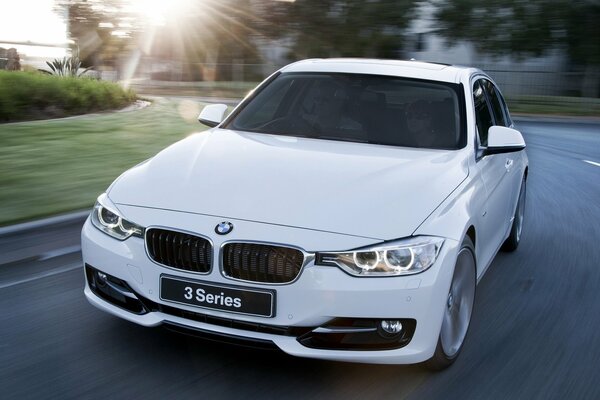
{"x": 535, "y": 332}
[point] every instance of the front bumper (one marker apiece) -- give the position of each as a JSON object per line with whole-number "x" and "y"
{"x": 319, "y": 295}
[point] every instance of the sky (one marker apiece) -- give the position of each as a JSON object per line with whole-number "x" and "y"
{"x": 38, "y": 21}
{"x": 35, "y": 21}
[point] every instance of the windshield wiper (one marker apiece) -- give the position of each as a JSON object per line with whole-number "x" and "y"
{"x": 343, "y": 139}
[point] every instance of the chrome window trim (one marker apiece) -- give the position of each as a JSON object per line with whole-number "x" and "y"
{"x": 479, "y": 148}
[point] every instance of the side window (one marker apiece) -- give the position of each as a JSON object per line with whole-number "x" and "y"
{"x": 483, "y": 117}
{"x": 505, "y": 108}
{"x": 495, "y": 102}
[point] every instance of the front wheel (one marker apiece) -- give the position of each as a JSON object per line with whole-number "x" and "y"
{"x": 514, "y": 238}
{"x": 457, "y": 310}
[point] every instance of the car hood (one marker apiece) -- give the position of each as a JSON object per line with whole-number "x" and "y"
{"x": 374, "y": 191}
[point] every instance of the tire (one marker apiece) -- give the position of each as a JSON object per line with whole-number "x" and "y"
{"x": 458, "y": 309}
{"x": 514, "y": 238}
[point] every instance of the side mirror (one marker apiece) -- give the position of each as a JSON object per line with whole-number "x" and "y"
{"x": 504, "y": 140}
{"x": 212, "y": 115}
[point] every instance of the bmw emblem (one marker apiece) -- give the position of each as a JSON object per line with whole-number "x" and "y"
{"x": 224, "y": 228}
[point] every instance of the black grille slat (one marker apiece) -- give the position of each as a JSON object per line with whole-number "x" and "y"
{"x": 168, "y": 250}
{"x": 177, "y": 245}
{"x": 179, "y": 250}
{"x": 160, "y": 246}
{"x": 261, "y": 262}
{"x": 156, "y": 248}
{"x": 195, "y": 253}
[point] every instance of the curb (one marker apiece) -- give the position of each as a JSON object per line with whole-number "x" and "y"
{"x": 141, "y": 105}
{"x": 230, "y": 101}
{"x": 42, "y": 223}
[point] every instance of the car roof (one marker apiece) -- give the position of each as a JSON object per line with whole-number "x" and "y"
{"x": 409, "y": 69}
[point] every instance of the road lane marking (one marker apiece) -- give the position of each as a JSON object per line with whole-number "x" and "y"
{"x": 592, "y": 162}
{"x": 41, "y": 275}
{"x": 59, "y": 252}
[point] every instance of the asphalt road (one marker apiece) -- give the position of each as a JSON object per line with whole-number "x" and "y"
{"x": 535, "y": 332}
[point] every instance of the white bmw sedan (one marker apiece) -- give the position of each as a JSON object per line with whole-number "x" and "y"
{"x": 344, "y": 210}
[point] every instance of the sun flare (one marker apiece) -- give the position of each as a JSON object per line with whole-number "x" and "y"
{"x": 157, "y": 12}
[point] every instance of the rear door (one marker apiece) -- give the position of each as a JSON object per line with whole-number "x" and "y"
{"x": 493, "y": 171}
{"x": 512, "y": 160}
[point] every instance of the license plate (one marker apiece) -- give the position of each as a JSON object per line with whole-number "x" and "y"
{"x": 236, "y": 299}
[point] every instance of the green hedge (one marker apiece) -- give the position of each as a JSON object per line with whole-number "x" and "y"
{"x": 33, "y": 95}
{"x": 557, "y": 105}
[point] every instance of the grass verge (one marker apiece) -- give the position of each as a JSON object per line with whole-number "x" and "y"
{"x": 55, "y": 166}
{"x": 555, "y": 105}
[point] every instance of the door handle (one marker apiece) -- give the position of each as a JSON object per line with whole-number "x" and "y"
{"x": 509, "y": 163}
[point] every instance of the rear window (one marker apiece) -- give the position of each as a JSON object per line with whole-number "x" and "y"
{"x": 360, "y": 108}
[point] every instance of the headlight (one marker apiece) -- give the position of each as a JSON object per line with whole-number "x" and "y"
{"x": 111, "y": 223}
{"x": 402, "y": 257}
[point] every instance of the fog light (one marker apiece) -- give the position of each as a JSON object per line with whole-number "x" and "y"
{"x": 100, "y": 279}
{"x": 391, "y": 326}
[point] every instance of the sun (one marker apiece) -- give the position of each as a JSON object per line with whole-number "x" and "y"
{"x": 157, "y": 12}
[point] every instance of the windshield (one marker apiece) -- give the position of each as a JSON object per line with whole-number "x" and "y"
{"x": 361, "y": 108}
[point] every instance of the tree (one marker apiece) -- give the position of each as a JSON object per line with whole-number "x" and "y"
{"x": 528, "y": 28}
{"x": 91, "y": 25}
{"x": 217, "y": 32}
{"x": 220, "y": 33}
{"x": 344, "y": 28}
{"x": 225, "y": 32}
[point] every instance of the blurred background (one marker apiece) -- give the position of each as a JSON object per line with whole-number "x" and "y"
{"x": 540, "y": 47}
{"x": 90, "y": 88}
{"x": 62, "y": 58}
